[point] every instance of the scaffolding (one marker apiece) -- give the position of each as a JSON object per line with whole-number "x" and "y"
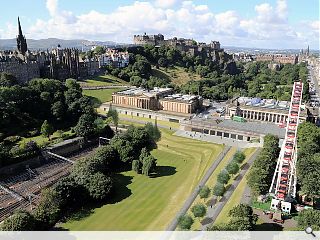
{"x": 283, "y": 186}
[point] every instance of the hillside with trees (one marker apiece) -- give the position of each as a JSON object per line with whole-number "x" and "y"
{"x": 42, "y": 107}
{"x": 218, "y": 79}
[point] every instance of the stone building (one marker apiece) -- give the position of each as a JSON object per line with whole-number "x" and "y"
{"x": 188, "y": 46}
{"x": 277, "y": 58}
{"x": 158, "y": 99}
{"x": 59, "y": 63}
{"x": 145, "y": 39}
{"x": 266, "y": 110}
{"x": 23, "y": 71}
{"x": 114, "y": 58}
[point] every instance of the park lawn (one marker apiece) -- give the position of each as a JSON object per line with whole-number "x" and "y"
{"x": 236, "y": 196}
{"x": 151, "y": 203}
{"x": 210, "y": 183}
{"x": 178, "y": 75}
{"x": 161, "y": 122}
{"x": 100, "y": 96}
{"x": 103, "y": 80}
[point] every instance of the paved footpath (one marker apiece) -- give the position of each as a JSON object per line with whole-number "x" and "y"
{"x": 194, "y": 194}
{"x": 213, "y": 213}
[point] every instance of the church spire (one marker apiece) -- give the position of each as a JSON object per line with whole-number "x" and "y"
{"x": 21, "y": 40}
{"x": 19, "y": 26}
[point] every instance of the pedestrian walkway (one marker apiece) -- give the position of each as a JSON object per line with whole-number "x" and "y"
{"x": 212, "y": 213}
{"x": 217, "y": 139}
{"x": 173, "y": 225}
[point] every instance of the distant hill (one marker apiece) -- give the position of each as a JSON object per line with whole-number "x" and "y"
{"x": 43, "y": 44}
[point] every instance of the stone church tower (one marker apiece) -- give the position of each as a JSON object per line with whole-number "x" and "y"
{"x": 21, "y": 41}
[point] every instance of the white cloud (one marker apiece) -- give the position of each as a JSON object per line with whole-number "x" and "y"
{"x": 52, "y": 6}
{"x": 268, "y": 28}
{"x": 166, "y": 3}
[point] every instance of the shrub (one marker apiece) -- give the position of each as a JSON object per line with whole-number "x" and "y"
{"x": 218, "y": 189}
{"x": 223, "y": 177}
{"x": 199, "y": 210}
{"x": 11, "y": 140}
{"x": 204, "y": 192}
{"x": 19, "y": 221}
{"x": 185, "y": 222}
{"x": 239, "y": 157}
{"x": 232, "y": 167}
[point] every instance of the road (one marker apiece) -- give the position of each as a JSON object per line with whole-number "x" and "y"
{"x": 213, "y": 213}
{"x": 173, "y": 225}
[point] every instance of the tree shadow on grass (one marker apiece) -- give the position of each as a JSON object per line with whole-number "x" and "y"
{"x": 162, "y": 171}
{"x": 268, "y": 227}
{"x": 121, "y": 190}
{"x": 105, "y": 79}
{"x": 95, "y": 101}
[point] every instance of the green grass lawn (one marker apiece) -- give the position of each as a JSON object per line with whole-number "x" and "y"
{"x": 236, "y": 195}
{"x": 150, "y": 203}
{"x": 103, "y": 80}
{"x": 177, "y": 75}
{"x": 211, "y": 182}
{"x": 161, "y": 122}
{"x": 101, "y": 95}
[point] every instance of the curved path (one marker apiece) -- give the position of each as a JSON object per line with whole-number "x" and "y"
{"x": 195, "y": 192}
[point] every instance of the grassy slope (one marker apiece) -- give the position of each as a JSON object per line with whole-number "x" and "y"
{"x": 153, "y": 202}
{"x": 161, "y": 122}
{"x": 101, "y": 95}
{"x": 237, "y": 194}
{"x": 103, "y": 80}
{"x": 176, "y": 74}
{"x": 211, "y": 182}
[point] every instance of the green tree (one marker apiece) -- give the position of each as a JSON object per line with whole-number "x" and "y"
{"x": 232, "y": 167}
{"x": 153, "y": 131}
{"x": 19, "y": 221}
{"x": 136, "y": 166}
{"x": 69, "y": 192}
{"x": 309, "y": 217}
{"x": 58, "y": 110}
{"x": 49, "y": 209}
{"x": 260, "y": 175}
{"x": 99, "y": 50}
{"x": 148, "y": 165}
{"x": 239, "y": 157}
{"x": 163, "y": 62}
{"x": 85, "y": 126}
{"x": 143, "y": 154}
{"x": 199, "y": 210}
{"x": 204, "y": 192}
{"x": 46, "y": 129}
{"x": 113, "y": 114}
{"x": 98, "y": 185}
{"x": 7, "y": 80}
{"x": 223, "y": 177}
{"x": 218, "y": 189}
{"x": 108, "y": 157}
{"x": 185, "y": 222}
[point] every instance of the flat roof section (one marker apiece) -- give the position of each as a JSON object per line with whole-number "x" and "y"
{"x": 255, "y": 127}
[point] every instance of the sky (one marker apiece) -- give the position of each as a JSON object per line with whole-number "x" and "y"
{"x": 278, "y": 24}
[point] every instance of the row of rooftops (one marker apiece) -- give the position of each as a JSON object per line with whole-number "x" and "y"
{"x": 266, "y": 103}
{"x": 163, "y": 93}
